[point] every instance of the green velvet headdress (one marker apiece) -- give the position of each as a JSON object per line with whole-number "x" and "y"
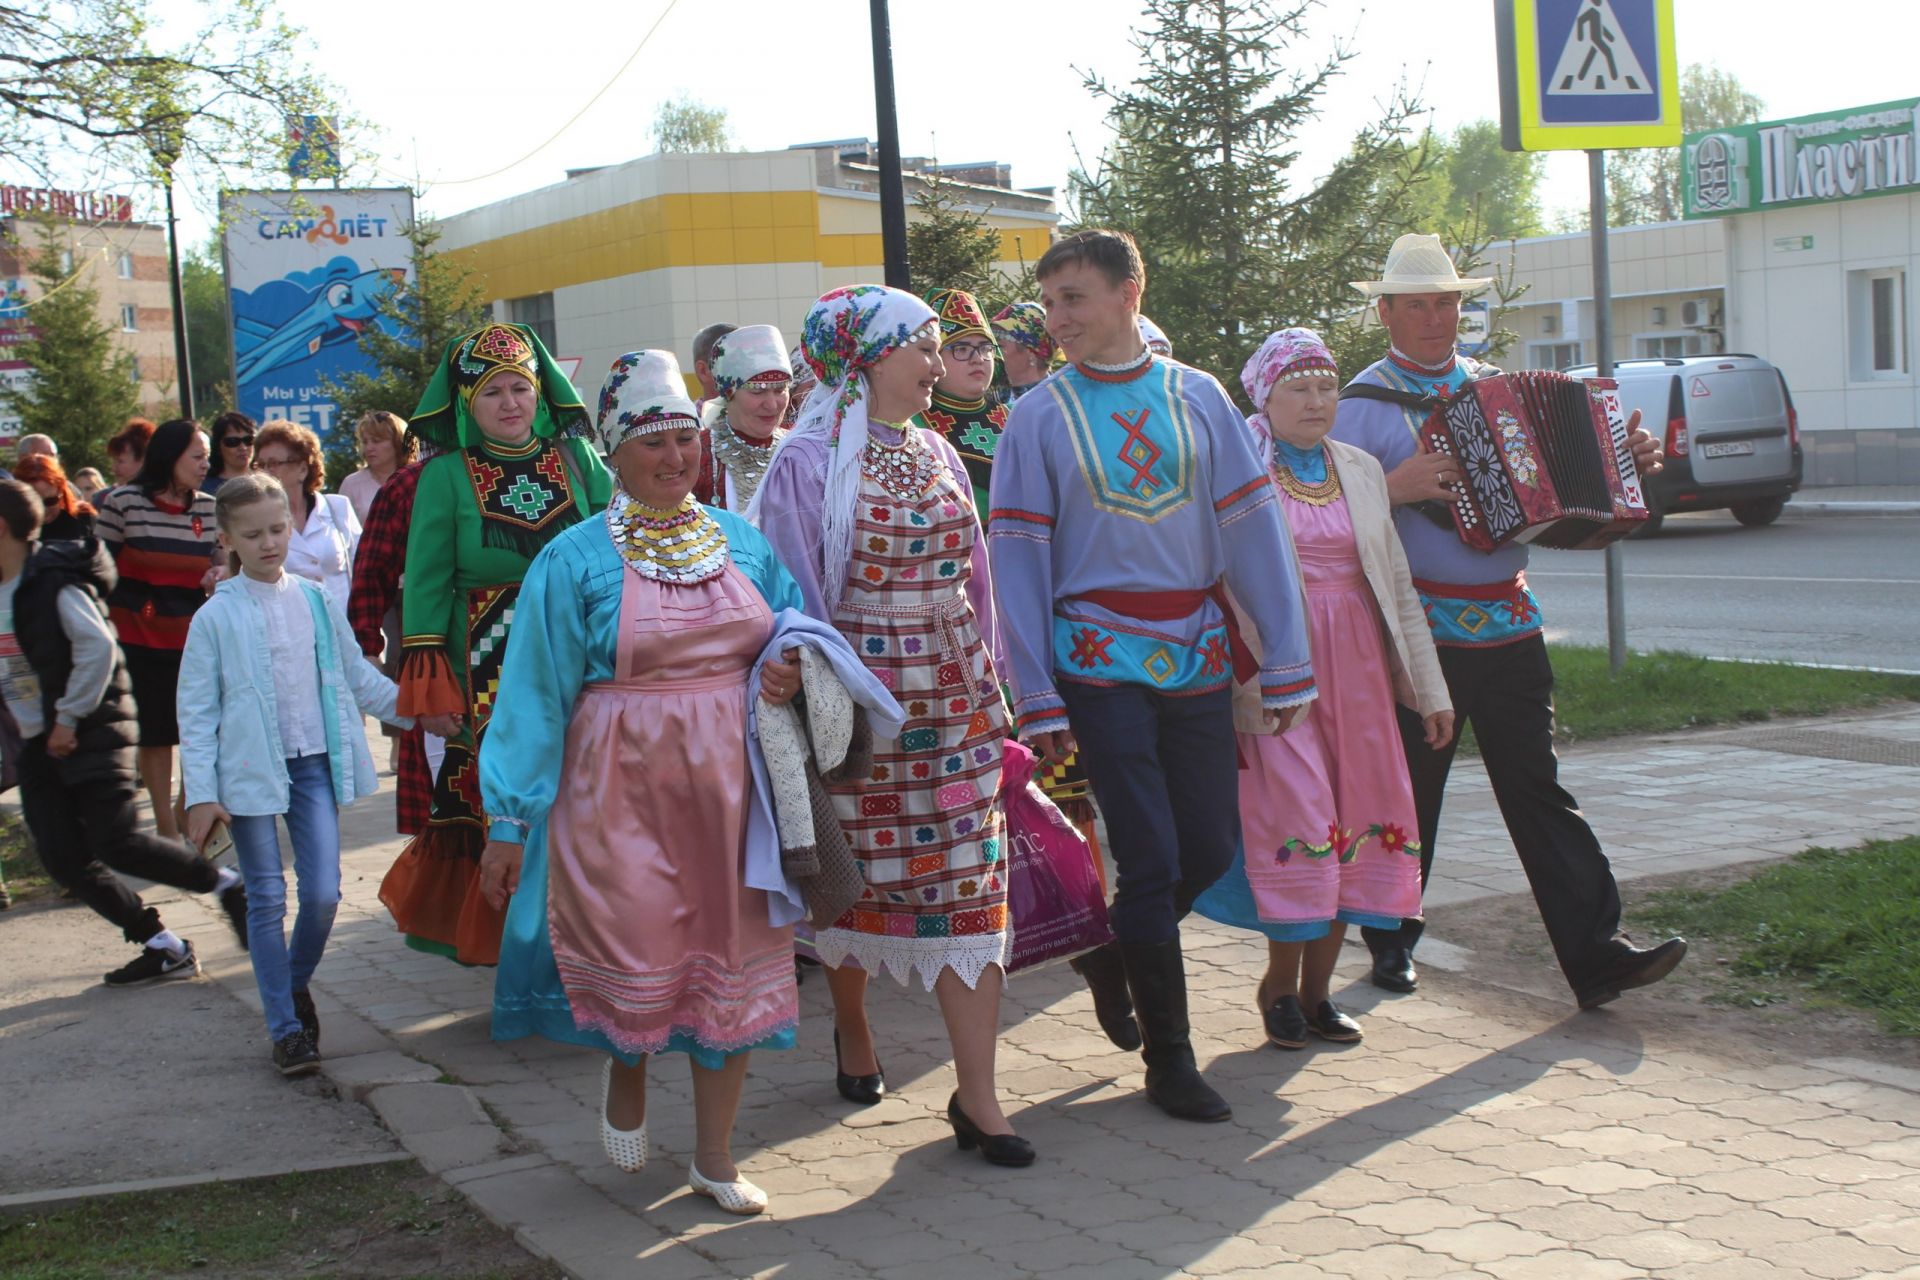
{"x": 444, "y": 418}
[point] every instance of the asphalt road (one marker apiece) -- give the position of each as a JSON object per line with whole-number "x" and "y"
{"x": 1831, "y": 589}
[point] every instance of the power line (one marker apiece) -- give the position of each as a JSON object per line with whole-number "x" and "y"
{"x": 571, "y": 120}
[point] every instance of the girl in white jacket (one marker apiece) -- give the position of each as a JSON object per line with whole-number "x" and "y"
{"x": 272, "y": 693}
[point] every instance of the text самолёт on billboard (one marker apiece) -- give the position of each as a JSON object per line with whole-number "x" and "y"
{"x": 305, "y": 273}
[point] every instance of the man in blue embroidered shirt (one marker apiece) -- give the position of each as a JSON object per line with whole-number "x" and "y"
{"x": 1487, "y": 627}
{"x": 1125, "y": 491}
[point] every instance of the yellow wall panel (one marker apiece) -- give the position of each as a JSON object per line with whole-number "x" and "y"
{"x": 793, "y": 244}
{"x": 753, "y": 244}
{"x": 706, "y": 228}
{"x": 752, "y": 211}
{"x": 850, "y": 250}
{"x": 840, "y": 216}
{"x": 712, "y": 247}
{"x": 796, "y": 209}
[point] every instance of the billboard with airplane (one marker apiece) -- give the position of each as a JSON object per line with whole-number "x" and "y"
{"x": 306, "y": 271}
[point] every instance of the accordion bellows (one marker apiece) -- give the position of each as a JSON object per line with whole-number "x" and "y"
{"x": 1546, "y": 461}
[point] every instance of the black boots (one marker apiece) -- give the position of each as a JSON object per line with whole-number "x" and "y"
{"x": 1106, "y": 976}
{"x": 1159, "y": 983}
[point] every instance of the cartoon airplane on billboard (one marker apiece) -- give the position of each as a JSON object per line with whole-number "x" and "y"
{"x": 336, "y": 311}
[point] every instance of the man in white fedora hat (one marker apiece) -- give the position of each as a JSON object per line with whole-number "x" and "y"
{"x": 1487, "y": 627}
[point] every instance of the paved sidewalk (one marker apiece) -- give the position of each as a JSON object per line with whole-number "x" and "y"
{"x": 1474, "y": 1133}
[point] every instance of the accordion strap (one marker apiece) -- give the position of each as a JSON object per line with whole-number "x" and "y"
{"x": 1424, "y": 402}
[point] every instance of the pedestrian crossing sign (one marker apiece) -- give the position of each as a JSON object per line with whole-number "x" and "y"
{"x": 1584, "y": 75}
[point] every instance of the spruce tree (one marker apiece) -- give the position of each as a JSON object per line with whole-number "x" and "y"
{"x": 948, "y": 245}
{"x": 439, "y": 302}
{"x": 1202, "y": 174}
{"x": 83, "y": 388}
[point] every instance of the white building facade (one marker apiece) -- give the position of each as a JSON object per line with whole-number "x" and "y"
{"x": 1821, "y": 219}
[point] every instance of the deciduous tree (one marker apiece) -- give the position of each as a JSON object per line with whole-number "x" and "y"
{"x": 683, "y": 125}
{"x": 203, "y": 287}
{"x": 1644, "y": 185}
{"x": 94, "y": 87}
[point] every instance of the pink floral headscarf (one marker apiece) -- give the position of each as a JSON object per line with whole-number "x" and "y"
{"x": 1288, "y": 354}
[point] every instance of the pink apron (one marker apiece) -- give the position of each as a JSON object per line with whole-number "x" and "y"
{"x": 655, "y": 935}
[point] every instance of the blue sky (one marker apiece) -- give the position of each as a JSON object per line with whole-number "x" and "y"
{"x": 457, "y": 98}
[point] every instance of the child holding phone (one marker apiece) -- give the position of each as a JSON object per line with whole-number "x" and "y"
{"x": 272, "y": 693}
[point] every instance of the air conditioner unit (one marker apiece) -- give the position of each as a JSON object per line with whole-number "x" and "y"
{"x": 1694, "y": 314}
{"x": 1660, "y": 316}
{"x": 1549, "y": 323}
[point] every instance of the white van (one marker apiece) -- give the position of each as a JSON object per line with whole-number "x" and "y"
{"x": 1731, "y": 434}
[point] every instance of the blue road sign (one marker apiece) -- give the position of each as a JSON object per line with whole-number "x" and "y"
{"x": 1587, "y": 74}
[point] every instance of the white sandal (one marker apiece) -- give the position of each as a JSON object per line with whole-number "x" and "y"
{"x": 738, "y": 1196}
{"x": 627, "y": 1148}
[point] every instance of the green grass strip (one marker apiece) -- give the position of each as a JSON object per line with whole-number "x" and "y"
{"x": 1840, "y": 921}
{"x": 1666, "y": 691}
{"x": 298, "y": 1224}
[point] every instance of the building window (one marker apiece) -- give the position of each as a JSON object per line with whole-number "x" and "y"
{"x": 1552, "y": 355}
{"x": 1671, "y": 346}
{"x": 129, "y": 318}
{"x": 537, "y": 314}
{"x": 126, "y": 266}
{"x": 133, "y": 368}
{"x": 1888, "y": 303}
{"x": 1877, "y": 307}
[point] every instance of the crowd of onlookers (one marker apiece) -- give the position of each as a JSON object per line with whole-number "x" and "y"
{"x": 100, "y": 582}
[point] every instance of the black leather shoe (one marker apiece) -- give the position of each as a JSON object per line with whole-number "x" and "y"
{"x": 1158, "y": 979}
{"x": 1106, "y": 977}
{"x": 1009, "y": 1149}
{"x": 1329, "y": 1023}
{"x": 1285, "y": 1021}
{"x": 1393, "y": 971}
{"x": 864, "y": 1090}
{"x": 1631, "y": 967}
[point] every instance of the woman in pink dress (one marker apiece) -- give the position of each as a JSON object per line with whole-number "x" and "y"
{"x": 616, "y": 780}
{"x": 1326, "y": 809}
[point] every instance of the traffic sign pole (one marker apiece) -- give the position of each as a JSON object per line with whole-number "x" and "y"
{"x": 1593, "y": 76}
{"x": 1603, "y": 367}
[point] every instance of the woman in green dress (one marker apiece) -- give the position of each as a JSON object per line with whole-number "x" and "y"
{"x": 515, "y": 469}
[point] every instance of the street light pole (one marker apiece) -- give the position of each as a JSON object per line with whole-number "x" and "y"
{"x": 182, "y": 365}
{"x": 893, "y": 196}
{"x": 1603, "y": 367}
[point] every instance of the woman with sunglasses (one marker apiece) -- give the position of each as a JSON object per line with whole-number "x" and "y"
{"x": 233, "y": 434}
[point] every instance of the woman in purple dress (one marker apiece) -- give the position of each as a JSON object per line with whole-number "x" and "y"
{"x": 875, "y": 519}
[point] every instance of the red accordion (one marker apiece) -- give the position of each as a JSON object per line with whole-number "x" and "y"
{"x": 1545, "y": 458}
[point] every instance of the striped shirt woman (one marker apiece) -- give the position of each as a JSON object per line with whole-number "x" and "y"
{"x": 160, "y": 530}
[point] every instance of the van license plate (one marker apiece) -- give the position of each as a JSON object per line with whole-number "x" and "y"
{"x": 1730, "y": 449}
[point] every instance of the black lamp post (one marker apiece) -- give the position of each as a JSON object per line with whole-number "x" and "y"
{"x": 164, "y": 140}
{"x": 893, "y": 196}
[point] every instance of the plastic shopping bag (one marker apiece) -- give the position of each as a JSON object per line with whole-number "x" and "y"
{"x": 1053, "y": 893}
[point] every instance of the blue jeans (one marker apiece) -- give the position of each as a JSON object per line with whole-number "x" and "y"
{"x": 313, "y": 821}
{"x": 1165, "y": 770}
